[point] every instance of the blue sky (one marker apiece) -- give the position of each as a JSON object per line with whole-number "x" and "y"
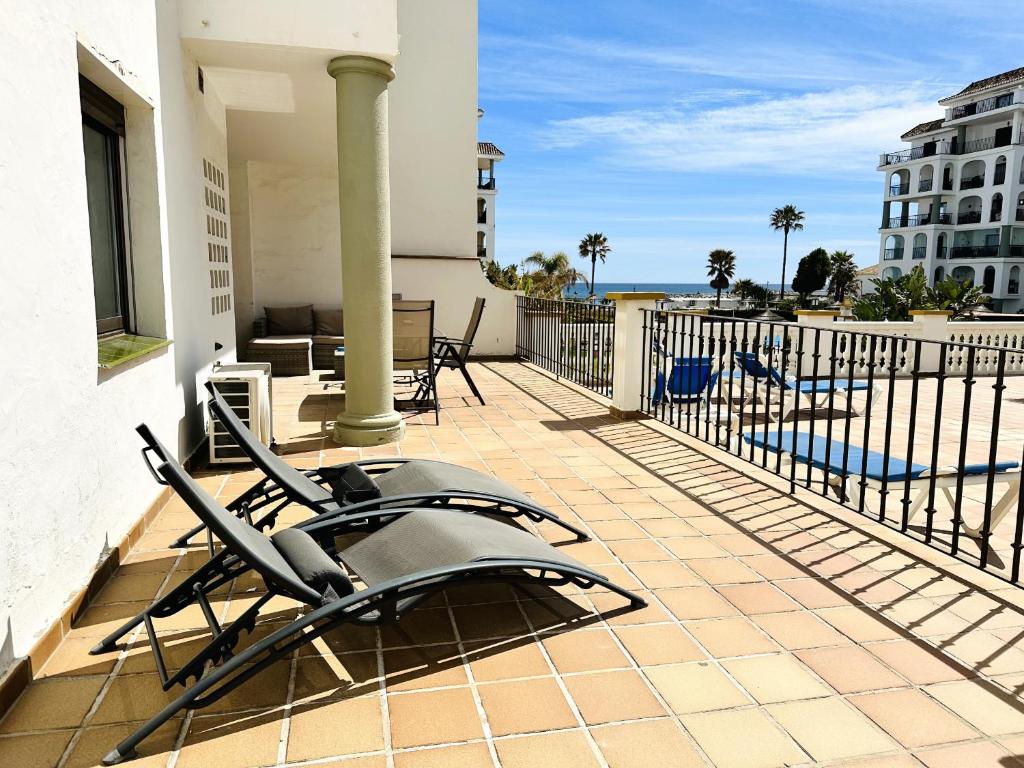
{"x": 676, "y": 126}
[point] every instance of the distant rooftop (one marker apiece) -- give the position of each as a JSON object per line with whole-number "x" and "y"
{"x": 922, "y": 128}
{"x": 487, "y": 148}
{"x": 1005, "y": 78}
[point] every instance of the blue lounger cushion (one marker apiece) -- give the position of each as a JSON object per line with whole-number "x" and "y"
{"x": 814, "y": 454}
{"x": 819, "y": 386}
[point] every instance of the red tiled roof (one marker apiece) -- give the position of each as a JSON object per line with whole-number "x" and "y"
{"x": 1005, "y": 78}
{"x": 487, "y": 148}
{"x": 921, "y": 128}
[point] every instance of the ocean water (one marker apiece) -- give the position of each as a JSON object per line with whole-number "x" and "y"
{"x": 672, "y": 289}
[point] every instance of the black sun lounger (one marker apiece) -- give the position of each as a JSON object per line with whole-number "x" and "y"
{"x": 364, "y": 485}
{"x": 421, "y": 552}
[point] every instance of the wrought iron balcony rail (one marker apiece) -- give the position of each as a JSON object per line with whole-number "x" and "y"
{"x": 920, "y": 251}
{"x": 1019, "y": 216}
{"x": 899, "y": 189}
{"x": 975, "y": 145}
{"x": 971, "y": 217}
{"x": 918, "y": 220}
{"x": 973, "y": 182}
{"x": 893, "y": 254}
{"x": 974, "y": 251}
{"x": 985, "y": 105}
{"x": 914, "y": 153}
{"x": 572, "y": 339}
{"x": 485, "y": 184}
{"x": 925, "y": 185}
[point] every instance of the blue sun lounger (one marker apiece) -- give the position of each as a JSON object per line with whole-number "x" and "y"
{"x": 894, "y": 472}
{"x": 689, "y": 380}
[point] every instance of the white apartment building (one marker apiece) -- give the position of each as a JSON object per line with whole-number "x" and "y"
{"x": 954, "y": 200}
{"x": 487, "y": 155}
{"x": 172, "y": 167}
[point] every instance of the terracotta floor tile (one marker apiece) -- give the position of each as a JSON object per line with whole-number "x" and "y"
{"x": 795, "y": 630}
{"x": 458, "y": 756}
{"x": 57, "y": 702}
{"x": 614, "y": 530}
{"x": 918, "y": 662}
{"x": 850, "y": 669}
{"x": 697, "y": 687}
{"x": 605, "y": 697}
{"x": 501, "y": 661}
{"x": 647, "y": 744}
{"x": 428, "y": 666}
{"x": 736, "y": 636}
{"x": 762, "y": 744}
{"x": 757, "y": 598}
{"x": 991, "y": 713}
{"x": 696, "y": 603}
{"x": 665, "y": 528}
{"x": 245, "y": 740}
{"x": 774, "y": 567}
{"x": 71, "y": 658}
{"x": 585, "y": 650}
{"x": 330, "y": 676}
{"x": 433, "y": 717}
{"x": 329, "y": 729}
{"x": 41, "y": 750}
{"x": 661, "y": 575}
{"x": 690, "y": 547}
{"x": 814, "y": 593}
{"x": 94, "y": 743}
{"x": 775, "y": 678}
{"x": 862, "y": 625}
{"x": 659, "y": 644}
{"x": 612, "y": 609}
{"x": 525, "y": 706}
{"x": 723, "y": 570}
{"x": 913, "y": 718}
{"x": 431, "y": 625}
{"x": 848, "y": 734}
{"x": 565, "y": 750}
{"x": 982, "y": 754}
{"x": 639, "y": 551}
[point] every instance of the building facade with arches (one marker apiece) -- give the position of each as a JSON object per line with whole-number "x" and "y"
{"x": 954, "y": 200}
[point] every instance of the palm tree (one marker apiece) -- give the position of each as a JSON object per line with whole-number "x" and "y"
{"x": 594, "y": 246}
{"x": 788, "y": 219}
{"x": 744, "y": 288}
{"x": 553, "y": 275}
{"x": 721, "y": 268}
{"x": 843, "y": 279}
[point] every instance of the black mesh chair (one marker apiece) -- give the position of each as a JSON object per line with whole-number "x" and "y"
{"x": 454, "y": 353}
{"x": 347, "y": 490}
{"x": 413, "y": 345}
{"x": 420, "y": 553}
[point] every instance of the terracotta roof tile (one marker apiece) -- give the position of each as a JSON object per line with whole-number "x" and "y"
{"x": 1005, "y": 78}
{"x": 487, "y": 148}
{"x": 922, "y": 128}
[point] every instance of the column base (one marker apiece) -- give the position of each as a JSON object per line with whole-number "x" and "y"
{"x": 366, "y": 431}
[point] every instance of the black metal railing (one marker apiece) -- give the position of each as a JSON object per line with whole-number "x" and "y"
{"x": 893, "y": 254}
{"x": 917, "y": 220}
{"x": 1019, "y": 215}
{"x": 924, "y": 185}
{"x": 974, "y": 251}
{"x": 902, "y": 430}
{"x": 969, "y": 217}
{"x": 1015, "y": 251}
{"x": 572, "y": 339}
{"x": 914, "y": 153}
{"x": 985, "y": 105}
{"x": 481, "y": 217}
{"x": 899, "y": 189}
{"x": 975, "y": 145}
{"x": 972, "y": 182}
{"x": 920, "y": 251}
{"x": 485, "y": 184}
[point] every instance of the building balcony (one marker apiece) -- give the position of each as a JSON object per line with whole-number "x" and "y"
{"x": 919, "y": 252}
{"x": 925, "y": 185}
{"x": 1019, "y": 215}
{"x": 971, "y": 217}
{"x": 919, "y": 220}
{"x": 1016, "y": 251}
{"x": 975, "y": 145}
{"x": 973, "y": 182}
{"x": 481, "y": 218}
{"x": 485, "y": 184}
{"x": 980, "y": 107}
{"x": 930, "y": 149}
{"x": 899, "y": 189}
{"x": 893, "y": 254}
{"x": 974, "y": 251}
{"x": 481, "y": 253}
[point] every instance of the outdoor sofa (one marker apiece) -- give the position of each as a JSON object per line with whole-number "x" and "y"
{"x": 295, "y": 340}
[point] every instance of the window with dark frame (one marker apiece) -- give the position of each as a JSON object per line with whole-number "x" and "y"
{"x": 103, "y": 140}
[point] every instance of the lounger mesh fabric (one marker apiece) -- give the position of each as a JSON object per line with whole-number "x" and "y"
{"x": 814, "y": 454}
{"x": 422, "y": 540}
{"x": 437, "y": 477}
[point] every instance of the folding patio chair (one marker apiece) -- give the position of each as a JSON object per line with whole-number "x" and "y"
{"x": 362, "y": 486}
{"x": 453, "y": 353}
{"x": 759, "y": 372}
{"x": 419, "y": 554}
{"x": 845, "y": 462}
{"x": 413, "y": 328}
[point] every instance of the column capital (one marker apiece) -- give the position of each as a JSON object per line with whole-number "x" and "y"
{"x": 365, "y": 64}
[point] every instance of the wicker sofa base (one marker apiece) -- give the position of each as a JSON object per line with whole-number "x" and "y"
{"x": 283, "y": 362}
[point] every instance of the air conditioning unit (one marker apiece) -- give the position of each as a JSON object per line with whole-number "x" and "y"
{"x": 247, "y": 388}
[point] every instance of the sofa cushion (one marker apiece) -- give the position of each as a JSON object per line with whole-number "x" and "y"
{"x": 286, "y": 321}
{"x": 328, "y": 322}
{"x": 328, "y": 341}
{"x": 281, "y": 342}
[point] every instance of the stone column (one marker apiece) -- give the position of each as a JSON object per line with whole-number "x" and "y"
{"x": 629, "y": 352}
{"x": 369, "y": 417}
{"x": 886, "y": 208}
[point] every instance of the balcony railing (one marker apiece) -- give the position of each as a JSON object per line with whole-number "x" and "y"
{"x": 481, "y": 218}
{"x": 899, "y": 189}
{"x": 914, "y": 153}
{"x": 920, "y": 251}
{"x": 971, "y": 217}
{"x": 973, "y": 182}
{"x": 940, "y": 253}
{"x": 976, "y": 145}
{"x": 996, "y": 215}
{"x": 485, "y": 184}
{"x": 925, "y": 185}
{"x": 893, "y": 254}
{"x": 1019, "y": 216}
{"x": 1016, "y": 251}
{"x": 876, "y": 404}
{"x": 572, "y": 339}
{"x": 920, "y": 220}
{"x": 481, "y": 253}
{"x": 980, "y": 107}
{"x": 974, "y": 251}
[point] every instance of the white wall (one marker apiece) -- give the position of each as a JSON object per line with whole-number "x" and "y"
{"x": 73, "y": 483}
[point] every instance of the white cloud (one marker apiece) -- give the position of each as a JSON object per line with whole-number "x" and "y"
{"x": 836, "y": 131}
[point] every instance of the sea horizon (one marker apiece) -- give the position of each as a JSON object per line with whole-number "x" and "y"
{"x": 580, "y": 291}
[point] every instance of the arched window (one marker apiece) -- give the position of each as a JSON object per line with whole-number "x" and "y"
{"x": 481, "y": 211}
{"x": 1000, "y": 173}
{"x": 996, "y": 212}
{"x": 988, "y": 281}
{"x": 893, "y": 248}
{"x": 1013, "y": 284}
{"x": 969, "y": 211}
{"x": 972, "y": 175}
{"x": 920, "y": 245}
{"x": 481, "y": 244}
{"x": 891, "y": 273}
{"x": 940, "y": 247}
{"x": 926, "y": 179}
{"x": 964, "y": 274}
{"x": 940, "y": 274}
{"x": 947, "y": 176}
{"x": 899, "y": 183}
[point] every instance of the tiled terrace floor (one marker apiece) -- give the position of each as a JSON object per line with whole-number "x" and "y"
{"x": 780, "y": 631}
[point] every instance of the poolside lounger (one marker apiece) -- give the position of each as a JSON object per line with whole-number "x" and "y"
{"x": 690, "y": 380}
{"x": 894, "y": 475}
{"x": 807, "y": 390}
{"x": 420, "y": 553}
{"x": 364, "y": 485}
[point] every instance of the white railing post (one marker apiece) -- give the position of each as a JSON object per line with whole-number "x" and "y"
{"x": 931, "y": 325}
{"x": 627, "y": 375}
